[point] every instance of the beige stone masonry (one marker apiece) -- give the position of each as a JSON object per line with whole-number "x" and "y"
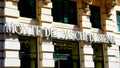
{"x": 27, "y": 20}
{"x": 46, "y": 18}
{"x": 46, "y": 11}
{"x": 11, "y": 12}
{"x": 11, "y": 44}
{"x": 12, "y": 5}
{"x": 110, "y": 25}
{"x": 11, "y": 8}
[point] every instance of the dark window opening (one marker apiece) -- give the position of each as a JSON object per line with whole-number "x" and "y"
{"x": 95, "y": 16}
{"x": 119, "y": 50}
{"x": 28, "y": 52}
{"x": 64, "y": 11}
{"x": 27, "y": 8}
{"x": 66, "y": 54}
{"x": 98, "y": 57}
{"x": 118, "y": 20}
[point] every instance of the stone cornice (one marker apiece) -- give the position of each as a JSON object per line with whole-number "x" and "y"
{"x": 109, "y": 4}
{"x": 85, "y": 4}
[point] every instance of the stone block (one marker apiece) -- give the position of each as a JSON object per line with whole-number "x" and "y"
{"x": 46, "y": 18}
{"x": 11, "y": 54}
{"x": 11, "y": 12}
{"x": 47, "y": 55}
{"x": 88, "y": 57}
{"x": 112, "y": 59}
{"x": 109, "y": 25}
{"x": 11, "y": 63}
{"x": 113, "y": 65}
{"x": 89, "y": 64}
{"x": 48, "y": 48}
{"x": 48, "y": 63}
{"x": 11, "y": 37}
{"x": 112, "y": 52}
{"x": 46, "y": 11}
{"x": 88, "y": 51}
{"x": 10, "y": 4}
{"x": 11, "y": 45}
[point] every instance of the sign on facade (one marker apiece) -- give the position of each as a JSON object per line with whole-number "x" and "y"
{"x": 14, "y": 27}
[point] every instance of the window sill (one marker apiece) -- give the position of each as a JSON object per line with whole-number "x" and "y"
{"x": 117, "y": 32}
{"x": 28, "y": 20}
{"x": 95, "y": 30}
{"x": 65, "y": 26}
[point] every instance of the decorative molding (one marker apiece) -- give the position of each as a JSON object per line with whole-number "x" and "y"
{"x": 109, "y": 5}
{"x": 46, "y": 1}
{"x": 85, "y": 4}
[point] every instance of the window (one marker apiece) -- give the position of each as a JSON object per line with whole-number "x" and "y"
{"x": 64, "y": 11}
{"x": 27, "y": 8}
{"x": 98, "y": 55}
{"x": 118, "y": 20}
{"x": 66, "y": 54}
{"x": 95, "y": 16}
{"x": 119, "y": 51}
{"x": 28, "y": 52}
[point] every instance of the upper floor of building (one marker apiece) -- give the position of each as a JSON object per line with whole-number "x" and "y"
{"x": 100, "y": 15}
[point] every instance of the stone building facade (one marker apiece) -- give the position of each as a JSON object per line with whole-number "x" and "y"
{"x": 59, "y": 34}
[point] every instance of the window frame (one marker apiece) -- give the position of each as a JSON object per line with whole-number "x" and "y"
{"x": 62, "y": 14}
{"x": 95, "y": 21}
{"x": 28, "y": 13}
{"x": 118, "y": 20}
{"x": 28, "y": 50}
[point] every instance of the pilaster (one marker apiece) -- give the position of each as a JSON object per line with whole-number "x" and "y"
{"x": 47, "y": 54}
{"x": 88, "y": 56}
{"x": 10, "y": 43}
{"x": 84, "y": 24}
{"x": 47, "y": 48}
{"x": 84, "y": 13}
{"x": 46, "y": 11}
{"x": 110, "y": 21}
